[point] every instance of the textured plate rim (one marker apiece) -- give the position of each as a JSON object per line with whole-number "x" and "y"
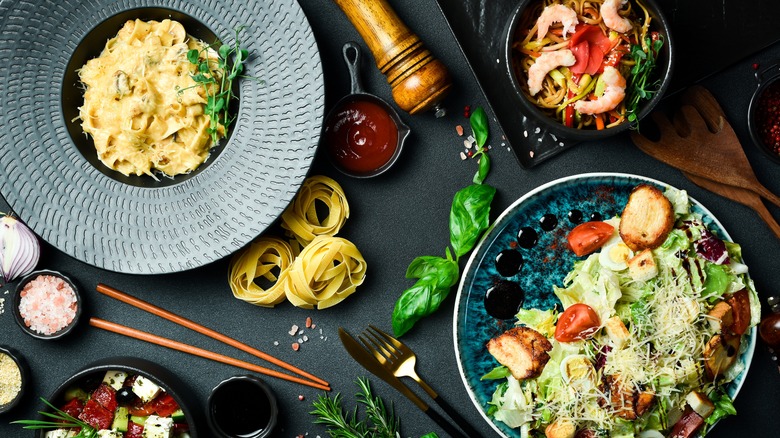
{"x": 748, "y": 353}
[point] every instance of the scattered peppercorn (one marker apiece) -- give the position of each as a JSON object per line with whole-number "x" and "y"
{"x": 768, "y": 117}
{"x": 301, "y": 397}
{"x": 755, "y": 66}
{"x": 296, "y": 346}
{"x": 467, "y": 111}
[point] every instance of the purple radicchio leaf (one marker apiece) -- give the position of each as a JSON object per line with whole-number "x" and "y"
{"x": 711, "y": 248}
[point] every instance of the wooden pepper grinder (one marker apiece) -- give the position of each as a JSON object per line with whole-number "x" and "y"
{"x": 419, "y": 81}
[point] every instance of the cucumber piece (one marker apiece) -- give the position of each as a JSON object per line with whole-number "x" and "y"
{"x": 121, "y": 417}
{"x": 178, "y": 416}
{"x": 138, "y": 419}
{"x": 76, "y": 392}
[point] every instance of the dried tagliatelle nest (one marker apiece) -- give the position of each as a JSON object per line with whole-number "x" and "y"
{"x": 315, "y": 268}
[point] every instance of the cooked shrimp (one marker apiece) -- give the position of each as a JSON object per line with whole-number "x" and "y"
{"x": 614, "y": 93}
{"x": 556, "y": 13}
{"x": 545, "y": 64}
{"x": 612, "y": 18}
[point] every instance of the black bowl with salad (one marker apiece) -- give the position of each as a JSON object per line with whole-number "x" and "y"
{"x": 120, "y": 397}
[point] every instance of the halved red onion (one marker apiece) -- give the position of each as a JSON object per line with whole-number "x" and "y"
{"x": 19, "y": 249}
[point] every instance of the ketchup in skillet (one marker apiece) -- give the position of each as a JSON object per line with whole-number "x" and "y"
{"x": 361, "y": 136}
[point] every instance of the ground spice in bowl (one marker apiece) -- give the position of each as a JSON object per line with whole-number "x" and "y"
{"x": 11, "y": 381}
{"x": 47, "y": 304}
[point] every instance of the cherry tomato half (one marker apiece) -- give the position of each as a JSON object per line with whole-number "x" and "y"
{"x": 576, "y": 323}
{"x": 589, "y": 236}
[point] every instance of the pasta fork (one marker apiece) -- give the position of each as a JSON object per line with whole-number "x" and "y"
{"x": 399, "y": 359}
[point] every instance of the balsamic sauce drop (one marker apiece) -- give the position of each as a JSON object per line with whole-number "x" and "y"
{"x": 504, "y": 299}
{"x": 509, "y": 262}
{"x": 527, "y": 237}
{"x": 548, "y": 222}
{"x": 575, "y": 216}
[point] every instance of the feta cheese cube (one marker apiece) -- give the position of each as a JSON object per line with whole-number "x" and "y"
{"x": 158, "y": 427}
{"x": 59, "y": 433}
{"x": 115, "y": 379}
{"x": 105, "y": 433}
{"x": 145, "y": 389}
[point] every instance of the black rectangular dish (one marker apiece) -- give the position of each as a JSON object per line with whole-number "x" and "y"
{"x": 709, "y": 36}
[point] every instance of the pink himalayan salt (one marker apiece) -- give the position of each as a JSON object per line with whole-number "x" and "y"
{"x": 48, "y": 304}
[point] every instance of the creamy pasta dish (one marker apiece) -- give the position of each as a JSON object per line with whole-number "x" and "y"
{"x": 142, "y": 107}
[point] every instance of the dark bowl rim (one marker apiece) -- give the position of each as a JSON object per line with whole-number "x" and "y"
{"x": 161, "y": 376}
{"x": 531, "y": 111}
{"x": 255, "y": 381}
{"x": 17, "y": 298}
{"x": 402, "y": 128}
{"x": 764, "y": 79}
{"x": 21, "y": 363}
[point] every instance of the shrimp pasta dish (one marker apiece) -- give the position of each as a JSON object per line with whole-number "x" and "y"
{"x": 587, "y": 63}
{"x": 142, "y": 107}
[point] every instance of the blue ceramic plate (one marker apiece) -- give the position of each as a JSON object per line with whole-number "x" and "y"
{"x": 545, "y": 264}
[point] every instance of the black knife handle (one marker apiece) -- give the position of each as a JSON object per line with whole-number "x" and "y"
{"x": 449, "y": 410}
{"x": 446, "y": 425}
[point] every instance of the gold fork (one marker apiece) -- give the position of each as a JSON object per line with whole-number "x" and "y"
{"x": 399, "y": 359}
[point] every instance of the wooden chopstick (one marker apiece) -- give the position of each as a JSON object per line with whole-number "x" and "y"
{"x": 186, "y": 348}
{"x": 151, "y": 308}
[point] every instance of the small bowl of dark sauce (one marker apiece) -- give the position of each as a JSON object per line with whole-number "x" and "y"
{"x": 363, "y": 133}
{"x": 242, "y": 407}
{"x": 764, "y": 112}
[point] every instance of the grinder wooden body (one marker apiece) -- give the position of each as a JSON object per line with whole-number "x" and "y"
{"x": 419, "y": 81}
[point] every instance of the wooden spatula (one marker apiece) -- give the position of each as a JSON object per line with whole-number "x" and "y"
{"x": 713, "y": 153}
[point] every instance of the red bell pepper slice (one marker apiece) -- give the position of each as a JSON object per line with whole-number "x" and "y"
{"x": 106, "y": 396}
{"x": 73, "y": 408}
{"x": 96, "y": 415}
{"x": 165, "y": 405}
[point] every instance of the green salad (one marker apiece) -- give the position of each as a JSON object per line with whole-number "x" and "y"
{"x": 646, "y": 342}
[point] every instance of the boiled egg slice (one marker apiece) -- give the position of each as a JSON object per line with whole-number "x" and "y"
{"x": 577, "y": 370}
{"x": 615, "y": 254}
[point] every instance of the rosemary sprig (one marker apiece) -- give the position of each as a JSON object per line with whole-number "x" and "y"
{"x": 379, "y": 423}
{"x": 61, "y": 420}
{"x": 215, "y": 74}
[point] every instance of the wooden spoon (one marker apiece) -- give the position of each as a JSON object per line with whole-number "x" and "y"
{"x": 738, "y": 194}
{"x": 713, "y": 153}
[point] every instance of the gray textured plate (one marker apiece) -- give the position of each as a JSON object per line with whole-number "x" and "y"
{"x": 51, "y": 177}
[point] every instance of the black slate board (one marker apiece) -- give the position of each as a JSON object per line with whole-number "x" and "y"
{"x": 480, "y": 25}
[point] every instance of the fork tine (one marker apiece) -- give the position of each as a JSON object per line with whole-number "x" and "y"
{"x": 370, "y": 346}
{"x": 398, "y": 344}
{"x": 387, "y": 349}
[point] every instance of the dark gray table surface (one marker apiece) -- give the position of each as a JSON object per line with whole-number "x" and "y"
{"x": 395, "y": 217}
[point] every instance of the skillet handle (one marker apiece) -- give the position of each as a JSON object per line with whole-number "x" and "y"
{"x": 351, "y": 52}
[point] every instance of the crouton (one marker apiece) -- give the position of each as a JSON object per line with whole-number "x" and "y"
{"x": 560, "y": 428}
{"x": 700, "y": 403}
{"x": 642, "y": 266}
{"x": 617, "y": 331}
{"x": 647, "y": 218}
{"x": 521, "y": 349}
{"x": 720, "y": 316}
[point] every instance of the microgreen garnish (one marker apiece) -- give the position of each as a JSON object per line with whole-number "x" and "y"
{"x": 215, "y": 73}
{"x": 379, "y": 423}
{"x": 640, "y": 86}
{"x": 60, "y": 419}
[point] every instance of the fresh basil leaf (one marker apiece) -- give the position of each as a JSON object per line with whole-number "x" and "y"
{"x": 479, "y": 126}
{"x": 424, "y": 265}
{"x": 484, "y": 168}
{"x": 425, "y": 296}
{"x": 498, "y": 372}
{"x": 470, "y": 216}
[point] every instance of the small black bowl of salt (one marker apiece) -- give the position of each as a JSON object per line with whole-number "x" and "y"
{"x": 13, "y": 377}
{"x": 47, "y": 304}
